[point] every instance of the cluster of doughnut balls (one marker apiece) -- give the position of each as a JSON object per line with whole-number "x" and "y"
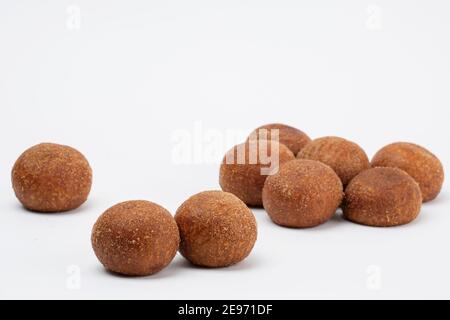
{"x": 311, "y": 180}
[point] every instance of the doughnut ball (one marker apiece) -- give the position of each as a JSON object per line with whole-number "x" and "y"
{"x": 135, "y": 238}
{"x": 382, "y": 197}
{"x": 51, "y": 178}
{"x": 216, "y": 228}
{"x": 304, "y": 193}
{"x": 291, "y": 137}
{"x": 346, "y": 158}
{"x": 243, "y": 171}
{"x": 418, "y": 162}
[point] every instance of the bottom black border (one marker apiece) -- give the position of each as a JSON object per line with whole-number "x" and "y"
{"x": 218, "y": 309}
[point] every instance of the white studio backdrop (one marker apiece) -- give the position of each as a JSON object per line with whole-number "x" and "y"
{"x": 122, "y": 81}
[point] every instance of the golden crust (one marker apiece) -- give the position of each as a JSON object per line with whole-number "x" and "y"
{"x": 217, "y": 229}
{"x": 246, "y": 180}
{"x": 291, "y": 137}
{"x": 418, "y": 162}
{"x": 304, "y": 193}
{"x": 382, "y": 197}
{"x": 346, "y": 158}
{"x": 51, "y": 178}
{"x": 135, "y": 238}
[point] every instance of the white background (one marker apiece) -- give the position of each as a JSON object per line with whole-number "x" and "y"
{"x": 118, "y": 80}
